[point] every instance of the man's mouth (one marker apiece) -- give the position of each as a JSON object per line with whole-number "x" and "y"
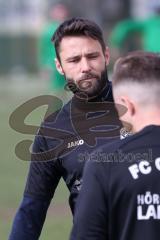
{"x": 88, "y": 77}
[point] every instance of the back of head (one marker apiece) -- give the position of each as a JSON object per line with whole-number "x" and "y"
{"x": 138, "y": 74}
{"x": 77, "y": 27}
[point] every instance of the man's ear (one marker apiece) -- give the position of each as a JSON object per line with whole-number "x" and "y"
{"x": 107, "y": 55}
{"x": 58, "y": 66}
{"x": 130, "y": 106}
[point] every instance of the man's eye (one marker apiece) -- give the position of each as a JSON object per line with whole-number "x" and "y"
{"x": 93, "y": 56}
{"x": 74, "y": 60}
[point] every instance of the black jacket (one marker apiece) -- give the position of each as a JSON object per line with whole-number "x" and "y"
{"x": 60, "y": 149}
{"x": 120, "y": 196}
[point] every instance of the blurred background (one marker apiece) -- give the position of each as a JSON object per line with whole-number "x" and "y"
{"x": 27, "y": 70}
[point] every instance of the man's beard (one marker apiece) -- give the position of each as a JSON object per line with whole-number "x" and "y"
{"x": 86, "y": 88}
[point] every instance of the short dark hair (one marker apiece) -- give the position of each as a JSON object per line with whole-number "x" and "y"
{"x": 137, "y": 66}
{"x": 77, "y": 27}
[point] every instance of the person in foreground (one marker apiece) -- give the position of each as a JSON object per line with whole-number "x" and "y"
{"x": 65, "y": 138}
{"x": 120, "y": 195}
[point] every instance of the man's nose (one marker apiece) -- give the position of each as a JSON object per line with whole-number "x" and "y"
{"x": 85, "y": 65}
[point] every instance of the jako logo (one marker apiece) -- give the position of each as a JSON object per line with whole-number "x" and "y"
{"x": 76, "y": 143}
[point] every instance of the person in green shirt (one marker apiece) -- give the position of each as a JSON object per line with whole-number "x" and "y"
{"x": 148, "y": 29}
{"x": 46, "y": 52}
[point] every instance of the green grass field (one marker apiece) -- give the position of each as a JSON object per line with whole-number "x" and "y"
{"x": 13, "y": 171}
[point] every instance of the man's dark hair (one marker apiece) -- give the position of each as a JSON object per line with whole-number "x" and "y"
{"x": 77, "y": 27}
{"x": 137, "y": 66}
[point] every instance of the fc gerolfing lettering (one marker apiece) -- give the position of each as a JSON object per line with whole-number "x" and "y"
{"x": 75, "y": 143}
{"x": 143, "y": 167}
